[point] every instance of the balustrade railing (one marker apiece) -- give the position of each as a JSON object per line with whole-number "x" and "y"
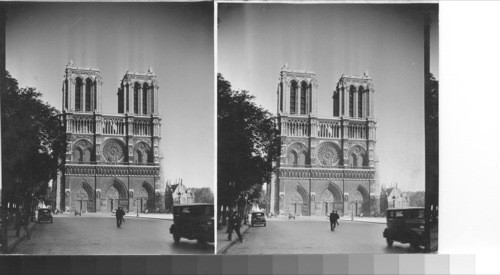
{"x": 111, "y": 163}
{"x": 111, "y": 125}
{"x": 323, "y": 166}
{"x": 81, "y": 125}
{"x": 329, "y": 129}
{"x": 295, "y": 127}
{"x": 357, "y": 130}
{"x": 142, "y": 127}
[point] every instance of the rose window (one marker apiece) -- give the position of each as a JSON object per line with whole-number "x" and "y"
{"x": 328, "y": 155}
{"x": 113, "y": 151}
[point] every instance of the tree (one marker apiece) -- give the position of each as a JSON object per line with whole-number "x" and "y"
{"x": 417, "y": 199}
{"x": 203, "y": 195}
{"x": 33, "y": 143}
{"x": 247, "y": 144}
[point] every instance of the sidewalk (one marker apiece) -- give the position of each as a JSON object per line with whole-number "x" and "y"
{"x": 223, "y": 244}
{"x": 159, "y": 216}
{"x": 150, "y": 216}
{"x": 12, "y": 240}
{"x": 324, "y": 218}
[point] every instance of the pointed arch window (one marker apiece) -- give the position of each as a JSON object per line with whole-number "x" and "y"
{"x": 293, "y": 97}
{"x": 145, "y": 91}
{"x": 78, "y": 94}
{"x": 360, "y": 102}
{"x": 281, "y": 97}
{"x": 351, "y": 101}
{"x": 88, "y": 91}
{"x": 303, "y": 102}
{"x": 336, "y": 104}
{"x": 136, "y": 98}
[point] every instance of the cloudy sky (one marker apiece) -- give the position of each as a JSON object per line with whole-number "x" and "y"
{"x": 256, "y": 40}
{"x": 175, "y": 39}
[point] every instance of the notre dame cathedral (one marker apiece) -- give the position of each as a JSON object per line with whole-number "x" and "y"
{"x": 326, "y": 163}
{"x": 112, "y": 160}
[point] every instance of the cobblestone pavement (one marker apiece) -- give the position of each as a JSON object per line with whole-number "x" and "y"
{"x": 98, "y": 235}
{"x": 315, "y": 237}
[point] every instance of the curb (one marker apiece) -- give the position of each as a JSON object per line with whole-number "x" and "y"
{"x": 363, "y": 221}
{"x": 152, "y": 218}
{"x": 23, "y": 236}
{"x": 227, "y": 245}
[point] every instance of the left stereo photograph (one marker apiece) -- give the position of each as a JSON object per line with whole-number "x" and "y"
{"x": 108, "y": 129}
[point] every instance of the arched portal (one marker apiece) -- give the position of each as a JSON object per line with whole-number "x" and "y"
{"x": 297, "y": 201}
{"x": 364, "y": 206}
{"x": 330, "y": 198}
{"x": 114, "y": 195}
{"x": 145, "y": 200}
{"x": 82, "y": 198}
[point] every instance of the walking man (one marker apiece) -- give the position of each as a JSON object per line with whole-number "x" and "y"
{"x": 119, "y": 217}
{"x": 236, "y": 225}
{"x": 332, "y": 221}
{"x": 334, "y": 217}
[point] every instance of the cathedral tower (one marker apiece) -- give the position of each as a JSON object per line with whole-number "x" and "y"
{"x": 112, "y": 160}
{"x": 326, "y": 163}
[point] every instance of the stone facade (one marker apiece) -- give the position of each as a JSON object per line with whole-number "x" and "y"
{"x": 112, "y": 160}
{"x": 325, "y": 163}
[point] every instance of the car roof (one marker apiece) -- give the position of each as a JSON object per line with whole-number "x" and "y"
{"x": 406, "y": 208}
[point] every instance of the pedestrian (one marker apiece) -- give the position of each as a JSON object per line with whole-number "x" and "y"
{"x": 119, "y": 217}
{"x": 22, "y": 220}
{"x": 229, "y": 225}
{"x": 236, "y": 225}
{"x": 337, "y": 217}
{"x": 332, "y": 221}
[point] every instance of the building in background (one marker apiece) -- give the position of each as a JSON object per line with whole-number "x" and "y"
{"x": 111, "y": 159}
{"x": 177, "y": 193}
{"x": 326, "y": 163}
{"x": 393, "y": 197}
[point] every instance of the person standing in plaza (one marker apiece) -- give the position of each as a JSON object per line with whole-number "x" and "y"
{"x": 332, "y": 221}
{"x": 119, "y": 217}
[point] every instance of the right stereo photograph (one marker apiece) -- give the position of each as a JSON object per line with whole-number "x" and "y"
{"x": 327, "y": 120}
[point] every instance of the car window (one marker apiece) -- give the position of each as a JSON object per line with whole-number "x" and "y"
{"x": 398, "y": 214}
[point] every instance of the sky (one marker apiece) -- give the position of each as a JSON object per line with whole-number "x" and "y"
{"x": 175, "y": 39}
{"x": 256, "y": 40}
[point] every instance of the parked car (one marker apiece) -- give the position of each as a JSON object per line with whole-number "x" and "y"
{"x": 258, "y": 218}
{"x": 44, "y": 215}
{"x": 405, "y": 225}
{"x": 193, "y": 222}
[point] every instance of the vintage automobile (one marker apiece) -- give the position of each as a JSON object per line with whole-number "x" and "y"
{"x": 258, "y": 218}
{"x": 193, "y": 222}
{"x": 44, "y": 215}
{"x": 405, "y": 225}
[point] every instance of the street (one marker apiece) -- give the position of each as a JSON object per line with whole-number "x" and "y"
{"x": 97, "y": 234}
{"x": 315, "y": 237}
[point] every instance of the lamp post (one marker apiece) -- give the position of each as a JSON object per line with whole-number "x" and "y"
{"x": 137, "y": 206}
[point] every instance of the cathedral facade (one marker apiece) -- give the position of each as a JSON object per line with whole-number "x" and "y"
{"x": 326, "y": 163}
{"x": 112, "y": 160}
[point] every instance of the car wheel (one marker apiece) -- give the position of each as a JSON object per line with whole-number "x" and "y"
{"x": 389, "y": 242}
{"x": 177, "y": 238}
{"x": 51, "y": 220}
